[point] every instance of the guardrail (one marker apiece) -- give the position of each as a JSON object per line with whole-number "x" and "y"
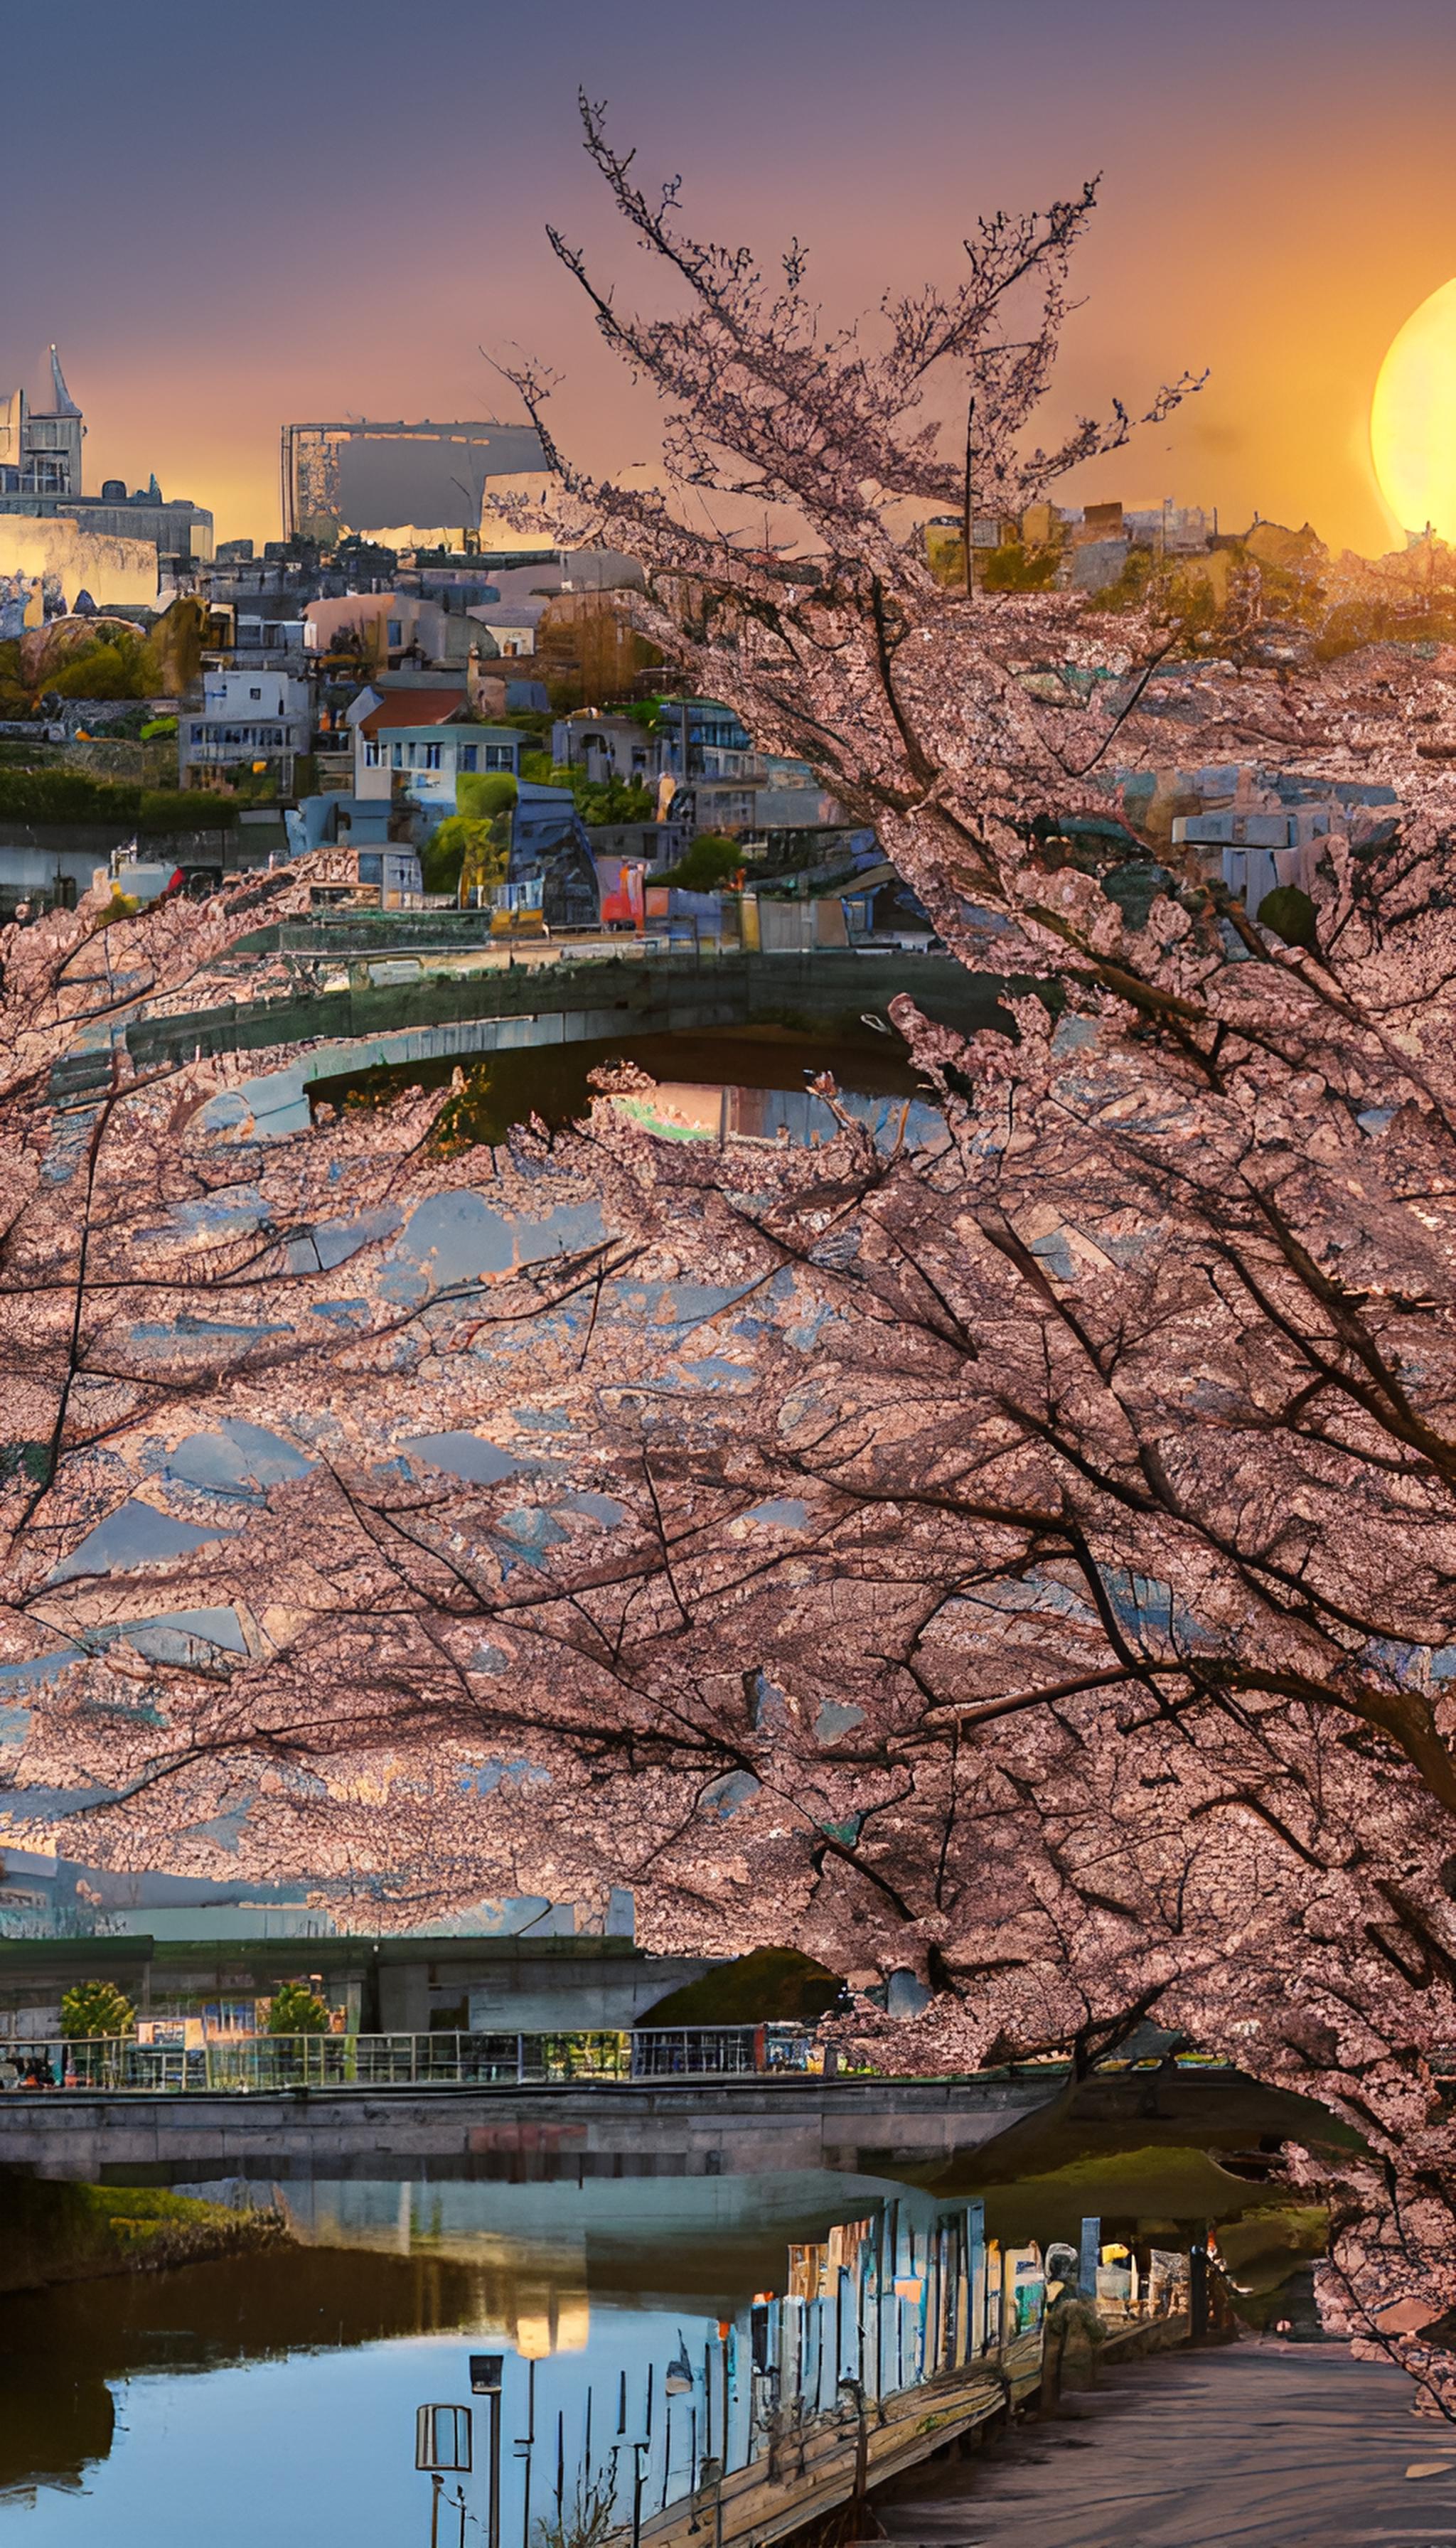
{"x": 258, "y": 2063}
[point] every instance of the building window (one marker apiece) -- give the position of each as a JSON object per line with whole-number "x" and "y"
{"x": 467, "y": 756}
{"x": 429, "y": 756}
{"x": 500, "y": 755}
{"x": 397, "y": 755}
{"x": 396, "y": 632}
{"x": 255, "y": 695}
{"x": 371, "y": 752}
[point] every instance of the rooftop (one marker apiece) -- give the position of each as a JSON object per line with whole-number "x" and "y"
{"x": 415, "y": 707}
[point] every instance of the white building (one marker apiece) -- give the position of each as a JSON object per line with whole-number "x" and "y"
{"x": 248, "y": 717}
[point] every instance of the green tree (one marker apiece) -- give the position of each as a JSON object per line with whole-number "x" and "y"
{"x": 538, "y": 769}
{"x": 96, "y": 2007}
{"x": 711, "y": 861}
{"x": 467, "y": 849}
{"x": 297, "y": 2010}
{"x": 484, "y": 794}
{"x": 597, "y": 800}
{"x": 613, "y": 799}
{"x": 117, "y": 669}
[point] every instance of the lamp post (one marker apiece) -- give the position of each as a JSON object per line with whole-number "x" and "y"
{"x": 525, "y": 2444}
{"x": 442, "y": 2444}
{"x": 484, "y": 2382}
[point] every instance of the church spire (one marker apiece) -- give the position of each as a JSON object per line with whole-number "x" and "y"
{"x": 65, "y": 404}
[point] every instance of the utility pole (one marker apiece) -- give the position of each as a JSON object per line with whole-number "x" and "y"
{"x": 968, "y": 509}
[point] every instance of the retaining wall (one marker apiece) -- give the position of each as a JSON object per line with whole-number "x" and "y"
{"x": 627, "y": 996}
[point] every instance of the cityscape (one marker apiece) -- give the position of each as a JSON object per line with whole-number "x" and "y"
{"x": 727, "y": 1009}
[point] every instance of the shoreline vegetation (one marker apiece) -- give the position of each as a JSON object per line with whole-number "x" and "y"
{"x": 53, "y": 2231}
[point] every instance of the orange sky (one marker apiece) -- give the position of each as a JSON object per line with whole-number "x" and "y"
{"x": 346, "y": 210}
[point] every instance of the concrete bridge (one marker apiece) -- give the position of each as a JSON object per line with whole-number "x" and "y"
{"x": 916, "y": 2130}
{"x": 608, "y": 2128}
{"x": 572, "y": 1001}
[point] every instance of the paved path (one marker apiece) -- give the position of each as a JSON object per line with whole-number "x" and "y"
{"x": 1256, "y": 2445}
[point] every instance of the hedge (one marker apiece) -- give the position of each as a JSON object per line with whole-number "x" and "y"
{"x": 71, "y": 797}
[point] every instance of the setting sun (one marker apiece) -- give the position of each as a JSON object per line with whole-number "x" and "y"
{"x": 1412, "y": 418}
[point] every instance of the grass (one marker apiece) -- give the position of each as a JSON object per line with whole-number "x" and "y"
{"x": 58, "y": 2232}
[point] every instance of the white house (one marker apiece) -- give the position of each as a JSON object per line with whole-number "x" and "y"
{"x": 246, "y": 717}
{"x": 417, "y": 743}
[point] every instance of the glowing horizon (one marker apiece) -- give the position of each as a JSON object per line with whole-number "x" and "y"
{"x": 307, "y": 278}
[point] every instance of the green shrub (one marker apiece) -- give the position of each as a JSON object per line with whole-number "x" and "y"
{"x": 297, "y": 2010}
{"x": 484, "y": 794}
{"x": 66, "y": 797}
{"x": 1014, "y": 568}
{"x": 175, "y": 809}
{"x": 613, "y": 800}
{"x": 96, "y": 2007}
{"x": 597, "y": 800}
{"x": 711, "y": 861}
{"x": 72, "y": 796}
{"x": 540, "y": 771}
{"x": 111, "y": 670}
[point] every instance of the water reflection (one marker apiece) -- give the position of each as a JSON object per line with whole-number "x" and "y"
{"x": 744, "y": 1082}
{"x": 68, "y": 2357}
{"x": 656, "y": 2339}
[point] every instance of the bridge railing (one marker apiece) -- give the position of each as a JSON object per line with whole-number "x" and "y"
{"x": 256, "y": 2064}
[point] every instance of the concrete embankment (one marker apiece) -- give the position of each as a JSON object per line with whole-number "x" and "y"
{"x": 70, "y": 2234}
{"x": 582, "y": 1001}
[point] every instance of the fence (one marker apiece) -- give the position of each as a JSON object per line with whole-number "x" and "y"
{"x": 257, "y": 2065}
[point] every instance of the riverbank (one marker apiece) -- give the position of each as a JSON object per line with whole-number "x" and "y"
{"x": 63, "y": 2233}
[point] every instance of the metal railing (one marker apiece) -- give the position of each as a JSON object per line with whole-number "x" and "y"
{"x": 262, "y": 2063}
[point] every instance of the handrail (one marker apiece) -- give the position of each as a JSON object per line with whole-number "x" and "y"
{"x": 249, "y": 2064}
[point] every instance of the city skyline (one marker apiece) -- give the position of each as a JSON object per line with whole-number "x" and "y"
{"x": 315, "y": 238}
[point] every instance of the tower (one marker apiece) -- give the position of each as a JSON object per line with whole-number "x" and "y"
{"x": 51, "y": 439}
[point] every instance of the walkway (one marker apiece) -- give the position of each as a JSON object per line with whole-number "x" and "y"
{"x": 1258, "y": 2445}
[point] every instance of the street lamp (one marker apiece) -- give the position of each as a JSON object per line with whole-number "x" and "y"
{"x": 442, "y": 2443}
{"x": 486, "y": 2371}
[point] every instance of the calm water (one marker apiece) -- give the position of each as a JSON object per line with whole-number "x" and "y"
{"x": 647, "y": 2324}
{"x": 747, "y": 1080}
{"x": 275, "y": 2396}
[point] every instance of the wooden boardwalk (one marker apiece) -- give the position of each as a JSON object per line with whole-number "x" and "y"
{"x": 1260, "y": 2445}
{"x": 815, "y": 2470}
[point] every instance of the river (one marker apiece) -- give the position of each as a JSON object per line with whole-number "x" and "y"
{"x": 724, "y": 1081}
{"x": 648, "y": 2334}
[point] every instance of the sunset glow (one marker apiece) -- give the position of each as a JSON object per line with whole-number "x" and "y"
{"x": 1412, "y": 418}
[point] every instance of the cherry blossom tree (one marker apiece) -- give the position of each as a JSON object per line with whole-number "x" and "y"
{"x": 1024, "y": 1556}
